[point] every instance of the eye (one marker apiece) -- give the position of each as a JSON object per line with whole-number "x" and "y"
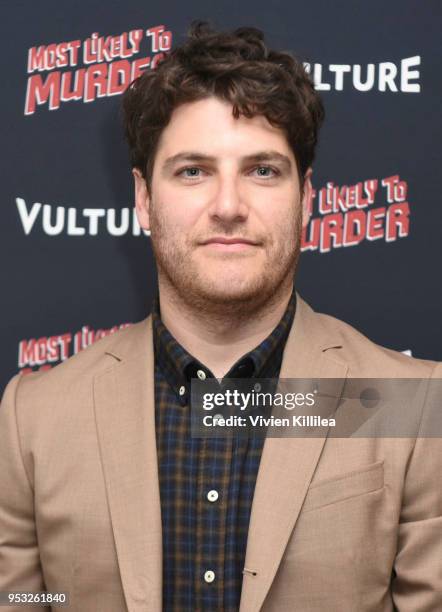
{"x": 190, "y": 172}
{"x": 263, "y": 171}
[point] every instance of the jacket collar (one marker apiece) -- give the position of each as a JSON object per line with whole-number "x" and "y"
{"x": 307, "y": 329}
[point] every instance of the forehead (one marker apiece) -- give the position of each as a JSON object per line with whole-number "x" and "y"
{"x": 209, "y": 125}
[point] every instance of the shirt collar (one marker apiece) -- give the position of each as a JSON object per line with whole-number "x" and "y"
{"x": 179, "y": 367}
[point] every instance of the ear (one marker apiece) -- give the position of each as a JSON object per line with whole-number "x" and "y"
{"x": 142, "y": 199}
{"x": 307, "y": 197}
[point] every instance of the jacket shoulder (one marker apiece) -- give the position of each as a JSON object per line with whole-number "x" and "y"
{"x": 366, "y": 359}
{"x": 85, "y": 365}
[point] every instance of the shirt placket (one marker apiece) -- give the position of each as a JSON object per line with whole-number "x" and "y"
{"x": 211, "y": 508}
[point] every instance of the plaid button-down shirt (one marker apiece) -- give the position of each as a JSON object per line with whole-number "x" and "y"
{"x": 206, "y": 485}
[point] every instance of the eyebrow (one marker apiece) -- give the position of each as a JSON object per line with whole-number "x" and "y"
{"x": 260, "y": 156}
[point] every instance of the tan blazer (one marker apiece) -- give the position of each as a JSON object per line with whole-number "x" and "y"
{"x": 337, "y": 525}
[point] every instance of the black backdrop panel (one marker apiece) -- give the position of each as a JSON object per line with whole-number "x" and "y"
{"x": 75, "y": 264}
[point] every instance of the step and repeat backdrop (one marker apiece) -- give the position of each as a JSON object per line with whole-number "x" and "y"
{"x": 75, "y": 264}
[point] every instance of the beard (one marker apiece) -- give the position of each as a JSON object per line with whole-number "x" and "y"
{"x": 225, "y": 285}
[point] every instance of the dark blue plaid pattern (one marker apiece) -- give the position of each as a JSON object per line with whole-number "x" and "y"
{"x": 198, "y": 534}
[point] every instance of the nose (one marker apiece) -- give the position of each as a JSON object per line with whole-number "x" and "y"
{"x": 228, "y": 204}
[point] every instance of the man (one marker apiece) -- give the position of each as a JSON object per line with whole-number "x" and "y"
{"x": 104, "y": 492}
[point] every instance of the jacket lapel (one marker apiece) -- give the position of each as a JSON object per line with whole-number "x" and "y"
{"x": 287, "y": 464}
{"x": 125, "y": 417}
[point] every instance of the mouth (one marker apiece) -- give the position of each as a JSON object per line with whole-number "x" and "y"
{"x": 230, "y": 244}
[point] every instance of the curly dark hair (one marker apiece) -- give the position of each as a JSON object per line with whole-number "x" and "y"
{"x": 236, "y": 67}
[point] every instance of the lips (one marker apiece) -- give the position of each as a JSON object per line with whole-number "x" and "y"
{"x": 228, "y": 241}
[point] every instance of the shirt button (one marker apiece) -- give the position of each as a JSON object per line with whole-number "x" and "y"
{"x": 201, "y": 374}
{"x": 216, "y": 418}
{"x": 209, "y": 576}
{"x": 212, "y": 495}
{"x": 182, "y": 390}
{"x": 257, "y": 387}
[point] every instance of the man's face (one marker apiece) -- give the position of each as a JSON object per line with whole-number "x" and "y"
{"x": 225, "y": 209}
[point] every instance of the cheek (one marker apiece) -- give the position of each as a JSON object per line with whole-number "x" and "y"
{"x": 280, "y": 216}
{"x": 173, "y": 225}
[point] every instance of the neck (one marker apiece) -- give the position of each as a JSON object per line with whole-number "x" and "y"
{"x": 219, "y": 337}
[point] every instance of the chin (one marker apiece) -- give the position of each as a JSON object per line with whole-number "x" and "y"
{"x": 227, "y": 290}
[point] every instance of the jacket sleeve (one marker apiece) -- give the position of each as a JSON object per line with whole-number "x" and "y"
{"x": 20, "y": 568}
{"x": 418, "y": 566}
